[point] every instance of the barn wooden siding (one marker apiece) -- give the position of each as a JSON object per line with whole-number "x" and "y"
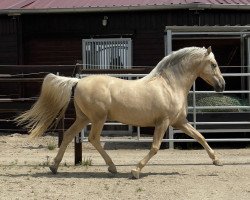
{"x": 56, "y": 38}
{"x": 8, "y": 41}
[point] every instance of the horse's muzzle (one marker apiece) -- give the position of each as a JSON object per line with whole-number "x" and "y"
{"x": 220, "y": 85}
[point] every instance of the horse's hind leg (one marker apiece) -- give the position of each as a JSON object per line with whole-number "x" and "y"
{"x": 69, "y": 135}
{"x": 94, "y": 139}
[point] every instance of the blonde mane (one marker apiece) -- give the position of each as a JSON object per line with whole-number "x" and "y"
{"x": 177, "y": 59}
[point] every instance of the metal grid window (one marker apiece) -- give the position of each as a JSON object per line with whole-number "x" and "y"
{"x": 113, "y": 53}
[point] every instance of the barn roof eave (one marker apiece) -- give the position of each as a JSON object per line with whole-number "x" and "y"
{"x": 125, "y": 8}
{"x": 205, "y": 29}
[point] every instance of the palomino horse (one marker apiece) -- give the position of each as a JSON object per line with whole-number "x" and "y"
{"x": 157, "y": 100}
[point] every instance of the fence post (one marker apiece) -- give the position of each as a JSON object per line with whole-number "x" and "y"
{"x": 61, "y": 131}
{"x": 78, "y": 149}
{"x": 171, "y": 137}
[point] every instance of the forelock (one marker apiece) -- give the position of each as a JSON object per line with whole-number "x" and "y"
{"x": 211, "y": 57}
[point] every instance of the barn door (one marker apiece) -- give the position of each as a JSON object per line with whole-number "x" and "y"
{"x": 107, "y": 53}
{"x": 246, "y": 58}
{"x": 247, "y": 41}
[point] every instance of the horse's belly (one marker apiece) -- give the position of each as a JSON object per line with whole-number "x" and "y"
{"x": 143, "y": 113}
{"x": 139, "y": 110}
{"x": 136, "y": 119}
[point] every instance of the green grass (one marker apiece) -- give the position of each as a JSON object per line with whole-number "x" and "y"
{"x": 106, "y": 187}
{"x": 139, "y": 189}
{"x": 46, "y": 163}
{"x": 87, "y": 162}
{"x": 14, "y": 162}
{"x": 51, "y": 146}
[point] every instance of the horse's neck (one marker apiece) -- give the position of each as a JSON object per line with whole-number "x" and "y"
{"x": 180, "y": 80}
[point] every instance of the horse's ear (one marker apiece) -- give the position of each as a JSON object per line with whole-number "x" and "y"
{"x": 209, "y": 50}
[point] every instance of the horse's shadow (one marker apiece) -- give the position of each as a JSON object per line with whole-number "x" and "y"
{"x": 91, "y": 175}
{"x": 100, "y": 175}
{"x": 107, "y": 175}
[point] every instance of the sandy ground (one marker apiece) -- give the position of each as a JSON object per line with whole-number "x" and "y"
{"x": 171, "y": 174}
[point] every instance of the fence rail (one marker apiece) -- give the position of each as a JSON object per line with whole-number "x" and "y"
{"x": 19, "y": 89}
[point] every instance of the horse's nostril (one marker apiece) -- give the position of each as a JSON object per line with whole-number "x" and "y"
{"x": 219, "y": 87}
{"x": 223, "y": 83}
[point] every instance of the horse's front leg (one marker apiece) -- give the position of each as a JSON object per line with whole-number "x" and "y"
{"x": 192, "y": 132}
{"x": 159, "y": 132}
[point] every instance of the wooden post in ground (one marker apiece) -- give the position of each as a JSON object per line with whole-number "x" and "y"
{"x": 78, "y": 150}
{"x": 60, "y": 126}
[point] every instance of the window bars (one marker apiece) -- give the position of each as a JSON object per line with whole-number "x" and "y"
{"x": 113, "y": 53}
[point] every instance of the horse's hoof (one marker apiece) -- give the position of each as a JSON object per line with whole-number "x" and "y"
{"x": 112, "y": 169}
{"x": 53, "y": 169}
{"x": 217, "y": 163}
{"x": 135, "y": 173}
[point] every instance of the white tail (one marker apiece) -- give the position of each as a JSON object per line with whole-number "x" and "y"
{"x": 52, "y": 102}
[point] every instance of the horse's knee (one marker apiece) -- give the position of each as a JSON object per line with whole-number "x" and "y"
{"x": 91, "y": 139}
{"x": 154, "y": 150}
{"x": 200, "y": 139}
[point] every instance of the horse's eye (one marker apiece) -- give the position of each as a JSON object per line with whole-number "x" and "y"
{"x": 213, "y": 65}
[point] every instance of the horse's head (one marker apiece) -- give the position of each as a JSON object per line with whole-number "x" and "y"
{"x": 210, "y": 71}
